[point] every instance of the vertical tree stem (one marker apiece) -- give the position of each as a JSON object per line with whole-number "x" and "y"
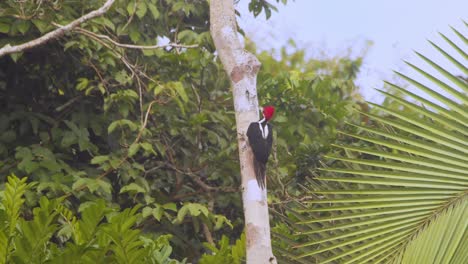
{"x": 242, "y": 67}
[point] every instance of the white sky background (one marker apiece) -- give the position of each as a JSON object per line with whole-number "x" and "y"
{"x": 331, "y": 27}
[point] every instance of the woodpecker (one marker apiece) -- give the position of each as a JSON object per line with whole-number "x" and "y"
{"x": 260, "y": 137}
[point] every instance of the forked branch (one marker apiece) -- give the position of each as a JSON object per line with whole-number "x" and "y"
{"x": 54, "y": 34}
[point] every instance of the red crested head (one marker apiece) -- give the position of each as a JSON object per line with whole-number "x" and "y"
{"x": 268, "y": 112}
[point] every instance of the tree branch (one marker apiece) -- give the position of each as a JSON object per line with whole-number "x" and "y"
{"x": 206, "y": 229}
{"x": 130, "y": 46}
{"x": 8, "y": 49}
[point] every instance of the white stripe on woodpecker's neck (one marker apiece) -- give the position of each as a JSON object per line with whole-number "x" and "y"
{"x": 264, "y": 130}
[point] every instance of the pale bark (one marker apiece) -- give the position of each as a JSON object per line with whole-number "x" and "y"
{"x": 242, "y": 67}
{"x": 8, "y": 49}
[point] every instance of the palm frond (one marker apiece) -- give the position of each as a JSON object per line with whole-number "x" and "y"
{"x": 404, "y": 197}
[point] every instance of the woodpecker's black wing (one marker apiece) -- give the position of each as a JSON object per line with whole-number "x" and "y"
{"x": 259, "y": 144}
{"x": 261, "y": 148}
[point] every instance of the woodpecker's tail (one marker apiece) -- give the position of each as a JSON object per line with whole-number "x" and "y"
{"x": 260, "y": 170}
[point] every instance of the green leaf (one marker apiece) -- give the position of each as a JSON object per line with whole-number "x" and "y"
{"x": 220, "y": 220}
{"x": 146, "y": 211}
{"x": 179, "y": 88}
{"x": 131, "y": 7}
{"x": 37, "y": 232}
{"x": 141, "y": 9}
{"x": 158, "y": 213}
{"x": 122, "y": 77}
{"x": 4, "y": 27}
{"x": 454, "y": 46}
{"x": 133, "y": 149}
{"x": 23, "y": 26}
{"x": 82, "y": 84}
{"x": 105, "y": 22}
{"x": 188, "y": 36}
{"x": 16, "y": 56}
{"x": 194, "y": 209}
{"x": 135, "y": 35}
{"x": 158, "y": 89}
{"x": 87, "y": 226}
{"x": 154, "y": 10}
{"x": 148, "y": 147}
{"x": 99, "y": 159}
{"x": 12, "y": 201}
{"x": 125, "y": 240}
{"x": 170, "y": 206}
{"x": 132, "y": 188}
{"x": 456, "y": 63}
{"x": 41, "y": 25}
{"x": 121, "y": 123}
{"x": 93, "y": 185}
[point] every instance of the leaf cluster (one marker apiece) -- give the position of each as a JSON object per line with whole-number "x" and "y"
{"x": 54, "y": 234}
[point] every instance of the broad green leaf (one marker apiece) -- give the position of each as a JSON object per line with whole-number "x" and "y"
{"x": 131, "y": 7}
{"x": 23, "y": 26}
{"x": 193, "y": 209}
{"x": 16, "y": 56}
{"x": 154, "y": 10}
{"x": 99, "y": 159}
{"x": 179, "y": 88}
{"x": 170, "y": 206}
{"x": 148, "y": 147}
{"x": 133, "y": 149}
{"x": 132, "y": 188}
{"x": 141, "y": 9}
{"x": 4, "y": 27}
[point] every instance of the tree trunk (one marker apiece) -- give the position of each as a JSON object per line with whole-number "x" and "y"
{"x": 242, "y": 67}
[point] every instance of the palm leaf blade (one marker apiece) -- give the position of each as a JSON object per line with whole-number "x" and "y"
{"x": 437, "y": 108}
{"x": 453, "y": 60}
{"x": 443, "y": 99}
{"x": 438, "y": 149}
{"x": 440, "y": 241}
{"x": 449, "y": 76}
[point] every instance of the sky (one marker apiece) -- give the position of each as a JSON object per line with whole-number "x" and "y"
{"x": 396, "y": 28}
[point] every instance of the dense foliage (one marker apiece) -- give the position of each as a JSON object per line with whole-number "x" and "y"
{"x": 142, "y": 141}
{"x": 101, "y": 235}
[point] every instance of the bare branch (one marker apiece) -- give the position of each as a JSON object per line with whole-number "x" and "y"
{"x": 206, "y": 229}
{"x": 207, "y": 232}
{"x": 8, "y": 49}
{"x": 130, "y": 46}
